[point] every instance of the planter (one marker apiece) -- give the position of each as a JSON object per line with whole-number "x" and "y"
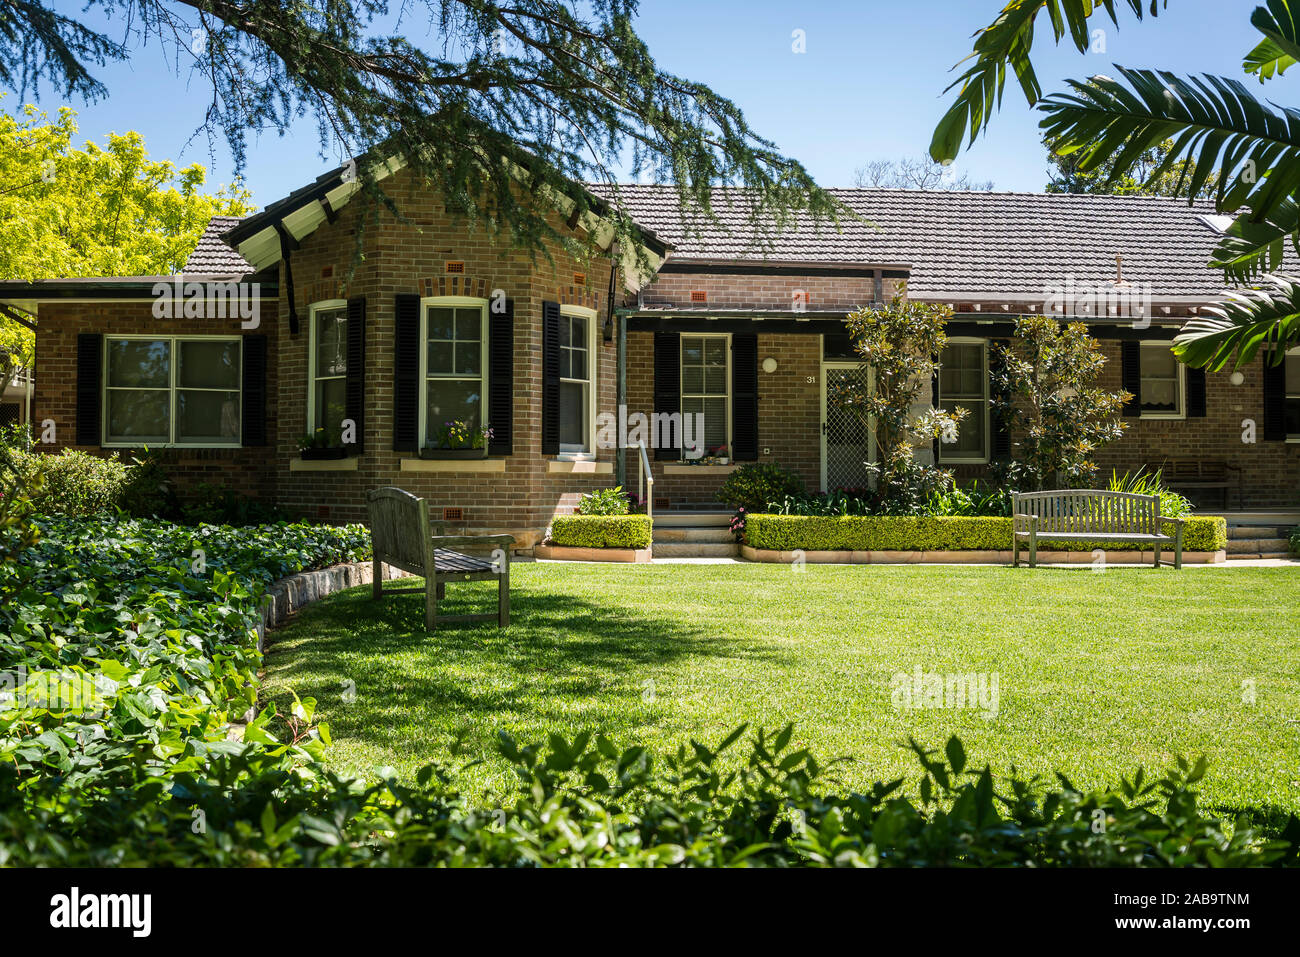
{"x": 321, "y": 455}
{"x": 569, "y": 553}
{"x": 428, "y": 453}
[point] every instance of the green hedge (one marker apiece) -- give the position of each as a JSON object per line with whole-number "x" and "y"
{"x": 891, "y": 533}
{"x": 601, "y": 531}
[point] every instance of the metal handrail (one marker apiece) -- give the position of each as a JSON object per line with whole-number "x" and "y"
{"x": 645, "y": 481}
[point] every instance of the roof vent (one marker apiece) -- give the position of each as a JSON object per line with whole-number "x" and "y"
{"x": 699, "y": 295}
{"x": 1217, "y": 222}
{"x": 455, "y": 268}
{"x": 453, "y": 515}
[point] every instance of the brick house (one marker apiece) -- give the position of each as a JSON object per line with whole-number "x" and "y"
{"x": 437, "y": 323}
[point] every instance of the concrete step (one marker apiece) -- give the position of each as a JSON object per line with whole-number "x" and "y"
{"x": 695, "y": 550}
{"x": 685, "y": 533}
{"x": 1245, "y": 556}
{"x": 700, "y": 519}
{"x": 1244, "y": 545}
{"x": 1253, "y": 531}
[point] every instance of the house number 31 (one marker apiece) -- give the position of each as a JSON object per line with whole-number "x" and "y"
{"x": 812, "y": 378}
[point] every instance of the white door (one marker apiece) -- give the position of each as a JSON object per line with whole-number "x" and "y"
{"x": 846, "y": 438}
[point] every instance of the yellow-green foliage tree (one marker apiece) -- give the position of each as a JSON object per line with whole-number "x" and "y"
{"x": 93, "y": 211}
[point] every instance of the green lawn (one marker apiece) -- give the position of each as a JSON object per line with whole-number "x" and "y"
{"x": 1097, "y": 673}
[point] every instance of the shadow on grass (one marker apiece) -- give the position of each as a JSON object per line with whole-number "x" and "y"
{"x": 566, "y": 663}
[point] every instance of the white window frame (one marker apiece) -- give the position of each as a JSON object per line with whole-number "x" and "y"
{"x": 173, "y": 368}
{"x": 983, "y": 458}
{"x": 1180, "y": 371}
{"x": 1293, "y": 438}
{"x": 326, "y": 305}
{"x": 452, "y": 302}
{"x": 568, "y": 452}
{"x": 682, "y": 395}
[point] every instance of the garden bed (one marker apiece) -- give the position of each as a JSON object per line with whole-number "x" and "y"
{"x": 598, "y": 538}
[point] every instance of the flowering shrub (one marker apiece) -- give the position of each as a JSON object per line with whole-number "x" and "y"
{"x": 458, "y": 434}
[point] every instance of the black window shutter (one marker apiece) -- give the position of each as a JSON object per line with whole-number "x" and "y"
{"x": 1274, "y": 400}
{"x": 355, "y": 384}
{"x": 501, "y": 379}
{"x": 744, "y": 396}
{"x": 668, "y": 386}
{"x": 253, "y": 415}
{"x": 934, "y": 404}
{"x": 406, "y": 373}
{"x": 1000, "y": 440}
{"x": 1130, "y": 374}
{"x": 90, "y": 367}
{"x": 550, "y": 378}
{"x": 1196, "y": 393}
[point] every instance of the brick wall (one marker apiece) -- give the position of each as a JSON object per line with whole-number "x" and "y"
{"x": 766, "y": 291}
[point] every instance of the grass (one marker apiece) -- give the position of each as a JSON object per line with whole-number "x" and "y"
{"x": 1097, "y": 673}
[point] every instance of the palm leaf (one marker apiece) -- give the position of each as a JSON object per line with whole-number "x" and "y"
{"x": 1249, "y": 248}
{"x": 1280, "y": 47}
{"x": 1008, "y": 41}
{"x": 1216, "y": 122}
{"x": 1237, "y": 329}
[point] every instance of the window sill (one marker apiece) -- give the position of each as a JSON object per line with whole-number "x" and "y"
{"x": 454, "y": 465}
{"x": 943, "y": 461}
{"x": 349, "y": 464}
{"x": 580, "y": 467}
{"x": 679, "y": 469}
{"x": 1162, "y": 416}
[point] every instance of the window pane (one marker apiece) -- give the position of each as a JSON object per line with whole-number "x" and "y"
{"x": 139, "y": 362}
{"x": 452, "y": 400}
{"x": 207, "y": 364}
{"x": 138, "y": 416}
{"x": 1160, "y": 395}
{"x": 469, "y": 324}
{"x": 970, "y": 432}
{"x": 441, "y": 324}
{"x": 577, "y": 363}
{"x": 331, "y": 404}
{"x": 1158, "y": 362}
{"x": 715, "y": 351}
{"x": 573, "y": 414}
{"x": 692, "y": 380}
{"x": 715, "y": 423}
{"x": 468, "y": 358}
{"x": 207, "y": 416}
{"x": 715, "y": 380}
{"x": 331, "y": 342}
{"x": 692, "y": 351}
{"x": 440, "y": 357}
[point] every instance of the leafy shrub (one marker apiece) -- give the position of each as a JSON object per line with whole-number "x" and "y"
{"x": 1172, "y": 504}
{"x": 1295, "y": 542}
{"x": 219, "y": 505}
{"x": 937, "y": 533}
{"x": 604, "y": 501}
{"x": 75, "y": 482}
{"x": 754, "y": 487}
{"x": 149, "y": 491}
{"x": 971, "y": 501}
{"x": 601, "y": 531}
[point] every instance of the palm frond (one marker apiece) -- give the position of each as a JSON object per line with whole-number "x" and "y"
{"x": 1217, "y": 122}
{"x": 1280, "y": 47}
{"x": 1008, "y": 41}
{"x": 1249, "y": 249}
{"x": 1237, "y": 329}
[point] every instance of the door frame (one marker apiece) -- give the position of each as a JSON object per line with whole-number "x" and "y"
{"x": 832, "y": 365}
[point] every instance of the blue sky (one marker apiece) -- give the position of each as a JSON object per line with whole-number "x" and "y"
{"x": 869, "y": 86}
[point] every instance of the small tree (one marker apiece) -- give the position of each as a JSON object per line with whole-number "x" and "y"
{"x": 1045, "y": 389}
{"x": 900, "y": 345}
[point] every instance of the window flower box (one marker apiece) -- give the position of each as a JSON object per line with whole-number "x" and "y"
{"x": 320, "y": 455}
{"x": 434, "y": 453}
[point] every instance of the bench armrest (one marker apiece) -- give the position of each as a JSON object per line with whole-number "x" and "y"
{"x": 1024, "y": 522}
{"x": 1176, "y": 521}
{"x": 447, "y": 541}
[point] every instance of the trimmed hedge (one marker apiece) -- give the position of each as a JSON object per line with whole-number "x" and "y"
{"x": 601, "y": 531}
{"x": 905, "y": 533}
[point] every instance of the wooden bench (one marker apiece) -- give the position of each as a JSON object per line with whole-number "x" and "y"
{"x": 1180, "y": 474}
{"x": 1089, "y": 515}
{"x": 403, "y": 537}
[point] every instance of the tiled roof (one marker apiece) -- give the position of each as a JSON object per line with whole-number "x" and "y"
{"x": 973, "y": 244}
{"x": 212, "y": 257}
